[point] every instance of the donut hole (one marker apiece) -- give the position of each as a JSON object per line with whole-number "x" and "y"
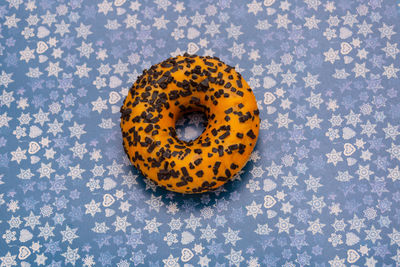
{"x": 190, "y": 125}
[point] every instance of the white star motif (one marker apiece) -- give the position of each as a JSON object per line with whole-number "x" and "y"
{"x": 394, "y": 173}
{"x": 212, "y": 29}
{"x": 312, "y": 22}
{"x": 390, "y": 71}
{"x": 82, "y": 70}
{"x": 334, "y": 157}
{"x": 71, "y": 256}
{"x": 4, "y": 119}
{"x": 254, "y": 209}
{"x": 160, "y": 23}
{"x": 105, "y": 7}
{"x": 69, "y": 234}
{"x": 331, "y": 55}
{"x": 76, "y": 130}
{"x": 92, "y": 208}
{"x": 364, "y": 28}
{"x": 284, "y": 225}
{"x": 131, "y": 21}
{"x": 208, "y": 233}
{"x": 121, "y": 224}
{"x": 53, "y": 69}
{"x": 11, "y": 21}
{"x": 311, "y": 80}
{"x": 62, "y": 28}
{"x": 171, "y": 261}
{"x": 18, "y": 155}
{"x": 83, "y": 31}
{"x": 27, "y": 54}
{"x": 373, "y": 234}
{"x": 282, "y": 21}
{"x": 55, "y": 127}
{"x": 75, "y": 172}
{"x": 5, "y": 79}
{"x": 235, "y": 257}
{"x": 45, "y": 170}
{"x": 198, "y": 19}
{"x": 152, "y": 225}
{"x": 237, "y": 50}
{"x": 255, "y": 7}
{"x": 386, "y": 31}
{"x": 289, "y": 78}
{"x": 85, "y": 50}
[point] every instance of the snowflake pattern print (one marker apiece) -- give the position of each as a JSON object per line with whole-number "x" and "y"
{"x": 321, "y": 188}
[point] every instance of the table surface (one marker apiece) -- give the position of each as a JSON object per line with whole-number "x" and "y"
{"x": 322, "y": 186}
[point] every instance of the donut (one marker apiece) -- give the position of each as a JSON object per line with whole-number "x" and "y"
{"x": 177, "y": 86}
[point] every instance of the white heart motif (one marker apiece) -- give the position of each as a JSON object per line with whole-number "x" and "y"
{"x": 269, "y": 185}
{"x": 187, "y": 255}
{"x": 349, "y": 149}
{"x": 192, "y": 48}
{"x": 114, "y": 97}
{"x": 108, "y": 200}
{"x": 25, "y": 235}
{"x": 192, "y": 33}
{"x": 34, "y": 159}
{"x": 269, "y": 82}
{"x": 120, "y": 11}
{"x": 271, "y": 214}
{"x": 352, "y": 239}
{"x": 41, "y": 47}
{"x": 42, "y": 32}
{"x": 115, "y": 109}
{"x": 24, "y": 253}
{"x": 345, "y": 48}
{"x": 43, "y": 58}
{"x": 345, "y": 33}
{"x": 348, "y": 133}
{"x": 271, "y": 110}
{"x": 269, "y": 98}
{"x": 352, "y": 256}
{"x": 33, "y": 147}
{"x": 269, "y": 2}
{"x": 115, "y": 81}
{"x": 109, "y": 184}
{"x": 269, "y": 201}
{"x": 347, "y": 59}
{"x": 109, "y": 212}
{"x": 119, "y": 2}
{"x": 271, "y": 11}
{"x": 186, "y": 238}
{"x": 34, "y": 131}
{"x": 351, "y": 161}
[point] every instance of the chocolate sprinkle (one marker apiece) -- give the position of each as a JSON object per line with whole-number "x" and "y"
{"x": 200, "y": 173}
{"x": 251, "y": 134}
{"x": 216, "y": 167}
{"x": 239, "y": 135}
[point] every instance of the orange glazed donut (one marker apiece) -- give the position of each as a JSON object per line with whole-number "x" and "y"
{"x": 185, "y": 84}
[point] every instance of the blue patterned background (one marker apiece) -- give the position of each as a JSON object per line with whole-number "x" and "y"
{"x": 322, "y": 187}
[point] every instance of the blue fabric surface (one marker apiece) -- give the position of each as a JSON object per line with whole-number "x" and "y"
{"x": 322, "y": 187}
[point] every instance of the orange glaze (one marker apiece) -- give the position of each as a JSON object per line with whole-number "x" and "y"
{"x": 184, "y": 84}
